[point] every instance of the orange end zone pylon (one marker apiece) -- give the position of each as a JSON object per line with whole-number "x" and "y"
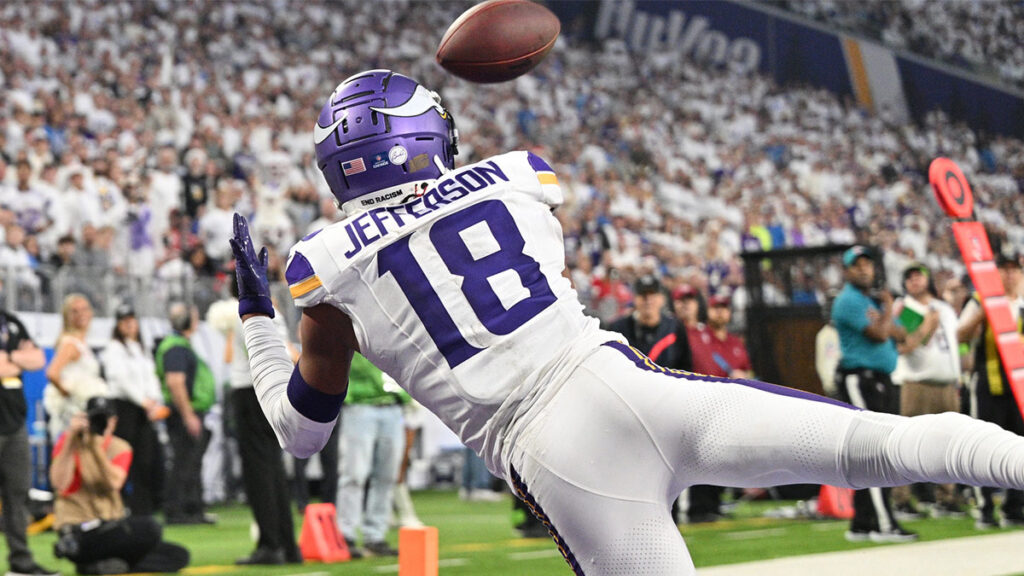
{"x": 320, "y": 540}
{"x": 954, "y": 195}
{"x": 835, "y": 502}
{"x": 417, "y": 551}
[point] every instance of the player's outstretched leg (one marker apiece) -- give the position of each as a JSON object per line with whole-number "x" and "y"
{"x": 609, "y": 450}
{"x": 747, "y": 434}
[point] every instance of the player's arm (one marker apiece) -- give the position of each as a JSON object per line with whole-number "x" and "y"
{"x": 328, "y": 342}
{"x": 301, "y": 401}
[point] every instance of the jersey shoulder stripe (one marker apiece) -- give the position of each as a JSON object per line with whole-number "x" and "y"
{"x": 305, "y": 287}
{"x": 301, "y": 278}
{"x": 544, "y": 172}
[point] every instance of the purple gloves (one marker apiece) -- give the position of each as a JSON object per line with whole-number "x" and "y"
{"x": 251, "y": 272}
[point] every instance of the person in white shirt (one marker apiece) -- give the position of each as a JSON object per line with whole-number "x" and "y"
{"x": 79, "y": 204}
{"x": 215, "y": 225}
{"x": 165, "y": 190}
{"x": 929, "y": 364}
{"x": 15, "y": 261}
{"x": 32, "y": 205}
{"x": 138, "y": 402}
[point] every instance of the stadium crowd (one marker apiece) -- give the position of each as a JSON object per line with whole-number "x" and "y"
{"x": 130, "y": 131}
{"x": 977, "y": 36}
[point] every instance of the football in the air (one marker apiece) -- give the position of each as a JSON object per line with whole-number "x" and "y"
{"x": 498, "y": 40}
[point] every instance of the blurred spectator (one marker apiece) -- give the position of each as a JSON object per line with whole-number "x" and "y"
{"x": 827, "y": 352}
{"x": 18, "y": 354}
{"x": 90, "y": 465}
{"x": 263, "y": 474}
{"x": 651, "y": 330}
{"x": 74, "y": 372}
{"x": 716, "y": 352}
{"x": 80, "y": 204}
{"x": 955, "y": 293}
{"x": 205, "y": 284}
{"x": 991, "y": 399}
{"x": 929, "y": 368}
{"x": 215, "y": 227}
{"x": 190, "y": 391}
{"x": 405, "y": 512}
{"x": 863, "y": 316}
{"x": 165, "y": 192}
{"x": 686, "y": 304}
{"x": 19, "y": 267}
{"x": 141, "y": 237}
{"x": 329, "y": 214}
{"x": 195, "y": 184}
{"x": 476, "y": 479}
{"x": 138, "y": 403}
{"x": 32, "y": 205}
{"x": 610, "y": 294}
{"x": 371, "y": 446}
{"x": 64, "y": 256}
{"x": 92, "y": 263}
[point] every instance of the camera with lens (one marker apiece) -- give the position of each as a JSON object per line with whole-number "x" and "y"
{"x": 98, "y": 410}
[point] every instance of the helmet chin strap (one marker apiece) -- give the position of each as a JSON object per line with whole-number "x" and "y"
{"x": 440, "y": 165}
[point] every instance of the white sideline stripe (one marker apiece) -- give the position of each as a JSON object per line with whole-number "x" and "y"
{"x": 310, "y": 574}
{"x": 830, "y": 526}
{"x": 535, "y": 555}
{"x": 446, "y": 563}
{"x": 754, "y": 534}
{"x": 994, "y": 555}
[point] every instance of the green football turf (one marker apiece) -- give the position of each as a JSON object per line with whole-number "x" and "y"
{"x": 477, "y": 538}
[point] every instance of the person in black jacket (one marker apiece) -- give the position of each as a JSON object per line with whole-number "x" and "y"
{"x": 651, "y": 330}
{"x": 18, "y": 353}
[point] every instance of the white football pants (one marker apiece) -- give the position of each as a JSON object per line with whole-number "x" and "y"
{"x": 602, "y": 460}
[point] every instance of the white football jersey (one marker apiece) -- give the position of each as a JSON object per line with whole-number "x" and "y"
{"x": 459, "y": 294}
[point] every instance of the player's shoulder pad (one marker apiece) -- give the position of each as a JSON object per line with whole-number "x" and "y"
{"x": 305, "y": 285}
{"x": 535, "y": 174}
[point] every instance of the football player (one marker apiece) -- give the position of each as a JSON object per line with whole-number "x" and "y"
{"x": 450, "y": 280}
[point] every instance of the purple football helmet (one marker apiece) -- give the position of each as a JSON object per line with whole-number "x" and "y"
{"x": 381, "y": 139}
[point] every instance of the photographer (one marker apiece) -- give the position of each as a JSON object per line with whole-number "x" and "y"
{"x": 89, "y": 467}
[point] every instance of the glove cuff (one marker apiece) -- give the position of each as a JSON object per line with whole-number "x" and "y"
{"x": 255, "y": 305}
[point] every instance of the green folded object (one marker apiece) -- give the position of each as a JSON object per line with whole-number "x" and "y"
{"x": 912, "y": 315}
